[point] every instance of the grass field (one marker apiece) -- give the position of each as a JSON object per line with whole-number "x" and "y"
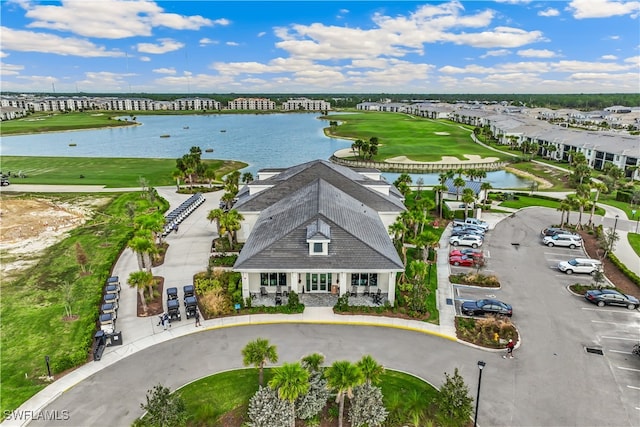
{"x": 59, "y": 122}
{"x": 34, "y": 322}
{"x": 110, "y": 172}
{"x": 417, "y": 138}
{"x": 634, "y": 241}
{"x": 209, "y": 398}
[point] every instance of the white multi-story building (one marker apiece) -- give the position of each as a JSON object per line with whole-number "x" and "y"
{"x": 251, "y": 104}
{"x": 306, "y": 104}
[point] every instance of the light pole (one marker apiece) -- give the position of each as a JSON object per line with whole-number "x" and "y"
{"x": 480, "y": 366}
{"x": 46, "y": 360}
{"x": 613, "y": 236}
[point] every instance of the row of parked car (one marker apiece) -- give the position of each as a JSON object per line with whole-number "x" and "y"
{"x": 109, "y": 307}
{"x": 179, "y": 214}
{"x": 469, "y": 232}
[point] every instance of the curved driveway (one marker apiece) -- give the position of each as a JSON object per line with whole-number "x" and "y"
{"x": 552, "y": 381}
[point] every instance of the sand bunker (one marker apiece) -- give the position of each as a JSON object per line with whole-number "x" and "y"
{"x": 447, "y": 160}
{"x": 442, "y": 133}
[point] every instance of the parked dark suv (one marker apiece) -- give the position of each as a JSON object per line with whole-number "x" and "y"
{"x": 4, "y": 181}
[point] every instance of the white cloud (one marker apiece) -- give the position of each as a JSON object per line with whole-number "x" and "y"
{"x": 10, "y": 69}
{"x": 232, "y": 44}
{"x": 3, "y": 54}
{"x": 144, "y": 59}
{"x": 165, "y": 45}
{"x": 499, "y": 37}
{"x": 164, "y": 70}
{"x": 537, "y": 53}
{"x": 205, "y": 41}
{"x": 262, "y": 34}
{"x": 110, "y": 19}
{"x": 609, "y": 57}
{"x": 29, "y": 41}
{"x": 549, "y": 12}
{"x": 498, "y": 52}
{"x": 582, "y": 9}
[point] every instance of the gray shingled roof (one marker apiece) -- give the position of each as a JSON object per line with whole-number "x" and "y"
{"x": 296, "y": 177}
{"x": 358, "y": 236}
{"x": 474, "y": 185}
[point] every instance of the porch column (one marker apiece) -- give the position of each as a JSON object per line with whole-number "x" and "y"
{"x": 295, "y": 286}
{"x": 343, "y": 283}
{"x": 246, "y": 291}
{"x": 392, "y": 287}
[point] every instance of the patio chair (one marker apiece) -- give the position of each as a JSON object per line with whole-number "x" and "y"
{"x": 377, "y": 297}
{"x": 354, "y": 291}
{"x": 279, "y": 291}
{"x": 263, "y": 291}
{"x": 367, "y": 291}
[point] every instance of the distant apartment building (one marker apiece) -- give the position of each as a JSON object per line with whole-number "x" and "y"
{"x": 251, "y": 104}
{"x": 194, "y": 104}
{"x": 306, "y": 104}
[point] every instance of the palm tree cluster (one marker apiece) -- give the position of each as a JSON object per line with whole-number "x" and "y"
{"x": 366, "y": 149}
{"x": 301, "y": 389}
{"x": 190, "y": 168}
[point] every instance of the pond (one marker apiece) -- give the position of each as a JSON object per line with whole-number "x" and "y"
{"x": 261, "y": 140}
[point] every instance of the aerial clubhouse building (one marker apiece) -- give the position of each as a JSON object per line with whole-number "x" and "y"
{"x": 318, "y": 228}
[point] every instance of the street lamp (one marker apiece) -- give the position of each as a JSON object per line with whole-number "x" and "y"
{"x": 480, "y": 366}
{"x": 613, "y": 236}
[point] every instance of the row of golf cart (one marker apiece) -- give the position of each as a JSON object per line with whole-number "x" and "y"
{"x": 107, "y": 335}
{"x": 173, "y": 303}
{"x": 176, "y": 216}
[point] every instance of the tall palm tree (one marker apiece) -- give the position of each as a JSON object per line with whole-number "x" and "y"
{"x": 154, "y": 222}
{"x": 468, "y": 197}
{"x": 458, "y": 183}
{"x": 599, "y": 187}
{"x": 342, "y": 376}
{"x": 563, "y": 207}
{"x": 216, "y": 215}
{"x": 440, "y": 190}
{"x": 247, "y": 177}
{"x": 291, "y": 381}
{"x": 258, "y": 353}
{"x": 486, "y": 186}
{"x": 230, "y": 224}
{"x": 177, "y": 174}
{"x": 141, "y": 280}
{"x": 210, "y": 175}
{"x": 143, "y": 247}
{"x": 371, "y": 369}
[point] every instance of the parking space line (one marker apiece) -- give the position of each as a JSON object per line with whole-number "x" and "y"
{"x": 629, "y": 369}
{"x": 610, "y": 323}
{"x": 620, "y": 352}
{"x": 611, "y": 310}
{"x": 634, "y": 387}
{"x": 620, "y": 338}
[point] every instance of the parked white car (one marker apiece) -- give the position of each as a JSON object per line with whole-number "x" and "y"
{"x": 466, "y": 240}
{"x": 571, "y": 241}
{"x": 580, "y": 265}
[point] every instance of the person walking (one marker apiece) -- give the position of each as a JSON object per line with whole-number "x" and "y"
{"x": 197, "y": 318}
{"x": 510, "y": 346}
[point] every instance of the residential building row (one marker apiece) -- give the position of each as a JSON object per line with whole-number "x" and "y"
{"x": 557, "y": 133}
{"x": 12, "y": 107}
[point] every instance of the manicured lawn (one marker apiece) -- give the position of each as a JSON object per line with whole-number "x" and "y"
{"x": 110, "y": 172}
{"x": 634, "y": 241}
{"x": 555, "y": 176}
{"x": 417, "y": 138}
{"x": 209, "y": 398}
{"x": 626, "y": 207}
{"x": 34, "y": 323}
{"x": 526, "y": 201}
{"x": 59, "y": 122}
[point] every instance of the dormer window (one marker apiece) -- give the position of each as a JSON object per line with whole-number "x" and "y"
{"x": 318, "y": 237}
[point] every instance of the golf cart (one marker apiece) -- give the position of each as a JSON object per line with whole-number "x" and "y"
{"x": 111, "y": 299}
{"x": 114, "y": 280}
{"x": 112, "y": 289}
{"x": 190, "y": 306}
{"x": 173, "y": 309}
{"x": 172, "y": 294}
{"x": 108, "y": 309}
{"x": 107, "y": 323}
{"x": 189, "y": 291}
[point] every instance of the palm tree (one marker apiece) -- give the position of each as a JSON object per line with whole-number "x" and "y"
{"x": 177, "y": 174}
{"x": 247, "y": 177}
{"x": 371, "y": 370}
{"x": 143, "y": 247}
{"x": 258, "y": 353}
{"x": 291, "y": 381}
{"x": 153, "y": 222}
{"x": 141, "y": 280}
{"x": 230, "y": 223}
{"x": 342, "y": 376}
{"x": 563, "y": 207}
{"x": 468, "y": 197}
{"x": 210, "y": 176}
{"x": 313, "y": 361}
{"x": 486, "y": 186}
{"x": 458, "y": 183}
{"x": 216, "y": 215}
{"x": 440, "y": 189}
{"x": 599, "y": 187}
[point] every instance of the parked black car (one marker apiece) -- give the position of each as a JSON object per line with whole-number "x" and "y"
{"x": 486, "y": 306}
{"x": 602, "y": 297}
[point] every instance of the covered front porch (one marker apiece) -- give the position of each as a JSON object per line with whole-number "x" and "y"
{"x": 319, "y": 289}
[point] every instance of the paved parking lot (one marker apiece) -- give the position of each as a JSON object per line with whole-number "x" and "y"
{"x": 557, "y": 328}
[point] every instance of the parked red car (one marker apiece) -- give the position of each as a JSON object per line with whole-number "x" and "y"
{"x": 464, "y": 261}
{"x": 466, "y": 252}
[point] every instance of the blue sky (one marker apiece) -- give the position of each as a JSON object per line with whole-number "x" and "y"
{"x": 506, "y": 46}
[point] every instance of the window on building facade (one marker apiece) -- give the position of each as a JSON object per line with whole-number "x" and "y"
{"x": 364, "y": 279}
{"x": 317, "y": 248}
{"x": 273, "y": 279}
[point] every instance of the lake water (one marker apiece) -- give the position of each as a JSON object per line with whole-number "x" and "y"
{"x": 261, "y": 140}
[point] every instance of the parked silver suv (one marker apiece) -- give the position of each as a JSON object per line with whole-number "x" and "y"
{"x": 571, "y": 241}
{"x": 580, "y": 265}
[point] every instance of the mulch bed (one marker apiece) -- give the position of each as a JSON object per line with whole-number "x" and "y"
{"x": 613, "y": 273}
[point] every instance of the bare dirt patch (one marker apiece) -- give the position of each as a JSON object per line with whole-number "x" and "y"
{"x": 28, "y": 225}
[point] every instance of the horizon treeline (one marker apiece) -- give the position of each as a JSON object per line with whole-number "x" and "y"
{"x": 583, "y": 102}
